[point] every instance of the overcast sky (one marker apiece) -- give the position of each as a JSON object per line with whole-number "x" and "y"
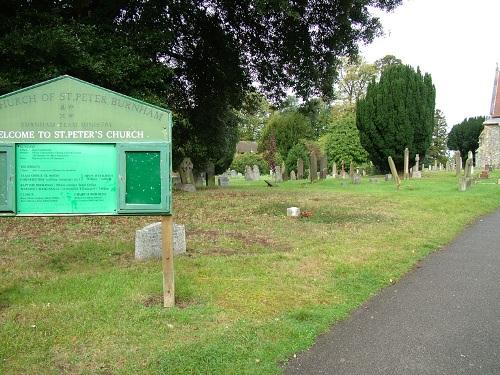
{"x": 456, "y": 41}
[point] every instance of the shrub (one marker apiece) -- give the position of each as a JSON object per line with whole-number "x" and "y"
{"x": 240, "y": 161}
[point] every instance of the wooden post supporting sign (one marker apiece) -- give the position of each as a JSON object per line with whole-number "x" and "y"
{"x": 168, "y": 261}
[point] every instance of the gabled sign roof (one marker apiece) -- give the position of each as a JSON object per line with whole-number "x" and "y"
{"x": 67, "y": 109}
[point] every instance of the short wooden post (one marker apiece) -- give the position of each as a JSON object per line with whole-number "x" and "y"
{"x": 168, "y": 261}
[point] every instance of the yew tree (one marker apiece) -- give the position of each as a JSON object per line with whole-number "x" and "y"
{"x": 397, "y": 112}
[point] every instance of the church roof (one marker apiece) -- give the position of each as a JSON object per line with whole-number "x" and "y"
{"x": 495, "y": 98}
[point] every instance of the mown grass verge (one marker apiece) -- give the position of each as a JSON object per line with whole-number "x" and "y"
{"x": 255, "y": 288}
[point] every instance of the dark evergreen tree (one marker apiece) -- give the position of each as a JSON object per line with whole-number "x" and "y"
{"x": 464, "y": 136}
{"x": 397, "y": 112}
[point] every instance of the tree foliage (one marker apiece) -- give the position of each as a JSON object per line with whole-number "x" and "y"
{"x": 299, "y": 151}
{"x": 240, "y": 161}
{"x": 397, "y": 112}
{"x": 437, "y": 149}
{"x": 341, "y": 142}
{"x": 464, "y": 136}
{"x": 289, "y": 128}
{"x": 354, "y": 77}
{"x": 252, "y": 116}
{"x": 196, "y": 57}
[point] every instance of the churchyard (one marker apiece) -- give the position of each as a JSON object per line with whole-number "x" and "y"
{"x": 254, "y": 288}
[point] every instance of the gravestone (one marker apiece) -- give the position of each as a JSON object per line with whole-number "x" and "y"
{"x": 334, "y": 170}
{"x": 293, "y": 212}
{"x": 343, "y": 170}
{"x": 388, "y": 177}
{"x": 323, "y": 167}
{"x": 148, "y": 241}
{"x": 210, "y": 174}
{"x": 416, "y": 169}
{"x": 313, "y": 167}
{"x": 447, "y": 166}
{"x": 278, "y": 177}
{"x": 256, "y": 172}
{"x": 201, "y": 180}
{"x": 223, "y": 180}
{"x": 394, "y": 171}
{"x": 176, "y": 181}
{"x": 186, "y": 171}
{"x": 300, "y": 169}
{"x": 292, "y": 175}
{"x": 470, "y": 156}
{"x": 233, "y": 173}
{"x": 458, "y": 163}
{"x": 284, "y": 172}
{"x": 248, "y": 173}
{"x": 351, "y": 169}
{"x": 406, "y": 175}
{"x": 356, "y": 179}
{"x": 435, "y": 165}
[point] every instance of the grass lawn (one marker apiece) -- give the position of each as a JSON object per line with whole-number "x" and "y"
{"x": 255, "y": 288}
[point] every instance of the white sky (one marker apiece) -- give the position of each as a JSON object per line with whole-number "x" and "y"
{"x": 456, "y": 41}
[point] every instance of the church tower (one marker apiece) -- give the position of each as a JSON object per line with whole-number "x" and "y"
{"x": 488, "y": 153}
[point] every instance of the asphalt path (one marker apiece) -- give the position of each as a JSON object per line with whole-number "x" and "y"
{"x": 441, "y": 318}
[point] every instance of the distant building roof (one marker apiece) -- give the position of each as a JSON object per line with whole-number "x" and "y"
{"x": 246, "y": 146}
{"x": 495, "y": 98}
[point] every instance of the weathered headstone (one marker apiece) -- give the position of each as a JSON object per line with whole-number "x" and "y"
{"x": 388, "y": 177}
{"x": 447, "y": 166}
{"x": 256, "y": 172}
{"x": 293, "y": 177}
{"x": 417, "y": 166}
{"x": 284, "y": 172}
{"x": 470, "y": 156}
{"x": 248, "y": 173}
{"x": 435, "y": 165}
{"x": 223, "y": 180}
{"x": 458, "y": 163}
{"x": 211, "y": 174}
{"x": 186, "y": 171}
{"x": 394, "y": 171}
{"x": 334, "y": 170}
{"x": 343, "y": 170}
{"x": 176, "y": 181}
{"x": 313, "y": 166}
{"x": 356, "y": 178}
{"x": 300, "y": 169}
{"x": 323, "y": 167}
{"x": 406, "y": 164}
{"x": 200, "y": 180}
{"x": 148, "y": 241}
{"x": 278, "y": 177}
{"x": 351, "y": 169}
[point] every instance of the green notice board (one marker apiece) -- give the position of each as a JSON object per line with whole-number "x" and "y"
{"x": 143, "y": 184}
{"x": 3, "y": 178}
{"x": 66, "y": 178}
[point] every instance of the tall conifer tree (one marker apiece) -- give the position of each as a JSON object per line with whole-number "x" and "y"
{"x": 397, "y": 112}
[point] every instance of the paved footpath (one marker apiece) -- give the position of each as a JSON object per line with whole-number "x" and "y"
{"x": 442, "y": 318}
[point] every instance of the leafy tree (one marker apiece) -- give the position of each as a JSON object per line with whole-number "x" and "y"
{"x": 341, "y": 142}
{"x": 240, "y": 161}
{"x": 354, "y": 77}
{"x": 464, "y": 136}
{"x": 252, "y": 116}
{"x": 318, "y": 113}
{"x": 196, "y": 57}
{"x": 397, "y": 112}
{"x": 288, "y": 128}
{"x": 299, "y": 151}
{"x": 437, "y": 149}
{"x": 386, "y": 61}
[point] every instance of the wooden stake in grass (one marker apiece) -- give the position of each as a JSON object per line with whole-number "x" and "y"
{"x": 168, "y": 261}
{"x": 394, "y": 172}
